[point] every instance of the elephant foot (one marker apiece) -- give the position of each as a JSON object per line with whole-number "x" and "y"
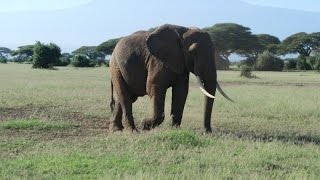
{"x": 115, "y": 127}
{"x": 176, "y": 121}
{"x": 135, "y": 130}
{"x": 147, "y": 124}
{"x": 176, "y": 125}
{"x": 208, "y": 130}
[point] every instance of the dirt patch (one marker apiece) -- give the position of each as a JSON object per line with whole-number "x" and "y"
{"x": 296, "y": 138}
{"x": 82, "y": 125}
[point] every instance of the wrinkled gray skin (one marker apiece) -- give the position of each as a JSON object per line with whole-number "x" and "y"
{"x": 147, "y": 63}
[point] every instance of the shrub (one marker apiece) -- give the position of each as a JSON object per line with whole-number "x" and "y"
{"x": 314, "y": 62}
{"x": 269, "y": 62}
{"x": 80, "y": 60}
{"x": 290, "y": 64}
{"x": 107, "y": 63}
{"x": 302, "y": 63}
{"x": 63, "y": 61}
{"x": 3, "y": 60}
{"x": 45, "y": 56}
{"x": 246, "y": 71}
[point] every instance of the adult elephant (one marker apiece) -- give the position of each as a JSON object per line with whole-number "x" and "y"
{"x": 149, "y": 63}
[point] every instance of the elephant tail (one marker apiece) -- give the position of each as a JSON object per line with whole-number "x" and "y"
{"x": 223, "y": 93}
{"x": 112, "y": 99}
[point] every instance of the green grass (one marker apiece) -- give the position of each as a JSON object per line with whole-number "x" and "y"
{"x": 53, "y": 125}
{"x": 34, "y": 125}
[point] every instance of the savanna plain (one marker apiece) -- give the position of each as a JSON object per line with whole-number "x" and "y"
{"x": 54, "y": 125}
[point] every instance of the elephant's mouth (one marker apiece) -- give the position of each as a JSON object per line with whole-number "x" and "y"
{"x": 203, "y": 90}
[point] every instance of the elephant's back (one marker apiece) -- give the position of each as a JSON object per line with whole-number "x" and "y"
{"x": 130, "y": 56}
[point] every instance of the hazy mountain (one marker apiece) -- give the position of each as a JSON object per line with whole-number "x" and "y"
{"x": 100, "y": 20}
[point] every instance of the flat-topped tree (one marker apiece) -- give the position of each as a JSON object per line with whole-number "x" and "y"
{"x": 107, "y": 47}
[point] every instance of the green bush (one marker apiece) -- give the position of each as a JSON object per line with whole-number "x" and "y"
{"x": 269, "y": 62}
{"x": 3, "y": 60}
{"x": 246, "y": 71}
{"x": 302, "y": 63}
{"x": 314, "y": 62}
{"x": 290, "y": 64}
{"x": 45, "y": 56}
{"x": 64, "y": 60}
{"x": 107, "y": 63}
{"x": 80, "y": 60}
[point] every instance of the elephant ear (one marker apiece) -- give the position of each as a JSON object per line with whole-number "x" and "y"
{"x": 165, "y": 44}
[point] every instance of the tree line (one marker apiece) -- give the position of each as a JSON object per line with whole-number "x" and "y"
{"x": 259, "y": 51}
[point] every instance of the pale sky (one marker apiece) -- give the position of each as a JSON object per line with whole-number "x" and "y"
{"x": 75, "y": 23}
{"x": 305, "y": 5}
{"x": 38, "y": 5}
{"x": 43, "y": 5}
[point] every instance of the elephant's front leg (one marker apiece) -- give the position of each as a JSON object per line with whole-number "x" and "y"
{"x": 179, "y": 96}
{"x": 158, "y": 99}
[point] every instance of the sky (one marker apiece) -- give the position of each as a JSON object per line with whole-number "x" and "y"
{"x": 74, "y": 23}
{"x": 39, "y": 5}
{"x": 304, "y": 5}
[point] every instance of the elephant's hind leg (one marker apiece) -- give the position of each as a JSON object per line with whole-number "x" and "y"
{"x": 125, "y": 98}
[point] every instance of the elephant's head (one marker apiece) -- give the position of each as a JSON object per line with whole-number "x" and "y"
{"x": 183, "y": 49}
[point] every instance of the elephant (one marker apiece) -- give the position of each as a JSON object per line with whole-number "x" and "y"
{"x": 148, "y": 63}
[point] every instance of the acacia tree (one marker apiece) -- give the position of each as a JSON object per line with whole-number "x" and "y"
{"x": 90, "y": 51}
{"x": 23, "y": 53}
{"x": 107, "y": 47}
{"x": 230, "y": 38}
{"x": 259, "y": 44}
{"x": 4, "y": 52}
{"x": 303, "y": 44}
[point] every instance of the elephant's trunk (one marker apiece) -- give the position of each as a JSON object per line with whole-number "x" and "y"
{"x": 209, "y": 82}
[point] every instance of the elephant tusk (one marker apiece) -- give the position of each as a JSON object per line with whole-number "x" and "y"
{"x": 206, "y": 93}
{"x": 203, "y": 89}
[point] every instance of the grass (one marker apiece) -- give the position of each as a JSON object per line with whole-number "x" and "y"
{"x": 33, "y": 124}
{"x": 53, "y": 125}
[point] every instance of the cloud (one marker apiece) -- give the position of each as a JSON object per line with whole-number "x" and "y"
{"x": 39, "y": 5}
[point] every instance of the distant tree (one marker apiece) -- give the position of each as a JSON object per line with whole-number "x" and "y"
{"x": 80, "y": 60}
{"x": 290, "y": 63}
{"x": 301, "y": 43}
{"x": 152, "y": 29}
{"x": 269, "y": 42}
{"x": 230, "y": 38}
{"x": 314, "y": 62}
{"x": 90, "y": 51}
{"x": 257, "y": 45}
{"x": 4, "y": 52}
{"x": 45, "y": 56}
{"x": 221, "y": 63}
{"x": 24, "y": 53}
{"x": 108, "y": 46}
{"x": 64, "y": 59}
{"x": 267, "y": 61}
{"x": 302, "y": 63}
